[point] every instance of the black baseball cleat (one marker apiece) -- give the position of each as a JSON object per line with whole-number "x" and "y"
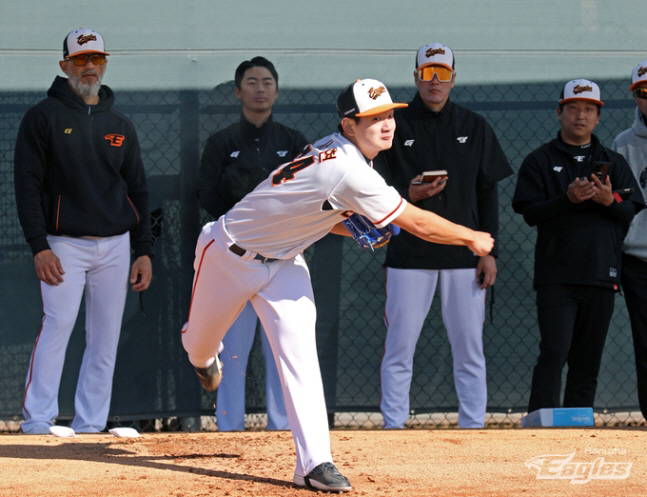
{"x": 324, "y": 477}
{"x": 210, "y": 377}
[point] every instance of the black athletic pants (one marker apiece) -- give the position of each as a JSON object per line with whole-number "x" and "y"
{"x": 573, "y": 324}
{"x": 634, "y": 286}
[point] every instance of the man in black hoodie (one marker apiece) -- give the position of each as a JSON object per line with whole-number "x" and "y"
{"x": 82, "y": 202}
{"x": 581, "y": 220}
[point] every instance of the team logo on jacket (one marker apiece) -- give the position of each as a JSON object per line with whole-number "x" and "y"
{"x": 408, "y": 143}
{"x": 68, "y": 131}
{"x": 376, "y": 92}
{"x": 115, "y": 140}
{"x": 461, "y": 139}
{"x": 281, "y": 153}
{"x": 234, "y": 154}
{"x": 557, "y": 168}
{"x": 83, "y": 39}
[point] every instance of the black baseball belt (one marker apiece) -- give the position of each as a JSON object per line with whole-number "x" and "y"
{"x": 241, "y": 252}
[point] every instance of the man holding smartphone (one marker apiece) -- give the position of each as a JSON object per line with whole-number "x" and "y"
{"x": 445, "y": 159}
{"x": 580, "y": 223}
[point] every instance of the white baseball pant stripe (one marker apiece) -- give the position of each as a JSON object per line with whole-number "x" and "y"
{"x": 99, "y": 267}
{"x": 230, "y": 403}
{"x": 281, "y": 294}
{"x": 410, "y": 293}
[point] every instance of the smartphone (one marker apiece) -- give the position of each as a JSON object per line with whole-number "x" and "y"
{"x": 429, "y": 176}
{"x": 601, "y": 170}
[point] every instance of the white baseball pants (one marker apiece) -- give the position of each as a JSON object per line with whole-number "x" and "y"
{"x": 230, "y": 403}
{"x": 281, "y": 294}
{"x": 410, "y": 293}
{"x": 99, "y": 267}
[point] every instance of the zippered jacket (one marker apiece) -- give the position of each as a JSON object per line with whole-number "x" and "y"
{"x": 577, "y": 244}
{"x": 463, "y": 143}
{"x": 78, "y": 171}
{"x": 236, "y": 159}
{"x": 632, "y": 144}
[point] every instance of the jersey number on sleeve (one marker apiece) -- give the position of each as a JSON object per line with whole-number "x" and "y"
{"x": 286, "y": 173}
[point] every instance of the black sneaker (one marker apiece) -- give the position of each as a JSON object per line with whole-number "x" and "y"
{"x": 324, "y": 477}
{"x": 210, "y": 377}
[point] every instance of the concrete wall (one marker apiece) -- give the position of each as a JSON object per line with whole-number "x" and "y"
{"x": 197, "y": 44}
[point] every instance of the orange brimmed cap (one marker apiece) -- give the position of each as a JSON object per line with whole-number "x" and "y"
{"x": 365, "y": 97}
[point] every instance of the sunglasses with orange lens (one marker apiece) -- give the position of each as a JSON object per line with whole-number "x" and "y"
{"x": 427, "y": 73}
{"x": 81, "y": 60}
{"x": 641, "y": 93}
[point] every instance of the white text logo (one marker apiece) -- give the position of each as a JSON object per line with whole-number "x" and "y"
{"x": 235, "y": 154}
{"x": 461, "y": 139}
{"x": 408, "y": 143}
{"x": 561, "y": 467}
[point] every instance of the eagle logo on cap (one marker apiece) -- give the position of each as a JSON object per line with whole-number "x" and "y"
{"x": 580, "y": 89}
{"x": 376, "y": 92}
{"x": 642, "y": 71}
{"x": 435, "y": 51}
{"x": 83, "y": 39}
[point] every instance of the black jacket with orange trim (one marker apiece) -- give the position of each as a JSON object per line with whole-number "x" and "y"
{"x": 78, "y": 171}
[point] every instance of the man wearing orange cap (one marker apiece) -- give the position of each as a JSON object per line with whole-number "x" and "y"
{"x": 83, "y": 204}
{"x": 566, "y": 189}
{"x": 632, "y": 144}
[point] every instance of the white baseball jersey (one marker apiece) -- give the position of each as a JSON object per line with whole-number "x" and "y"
{"x": 302, "y": 200}
{"x": 295, "y": 206}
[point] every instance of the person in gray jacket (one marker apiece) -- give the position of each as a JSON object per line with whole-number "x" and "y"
{"x": 632, "y": 144}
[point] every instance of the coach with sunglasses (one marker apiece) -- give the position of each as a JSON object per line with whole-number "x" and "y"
{"x": 433, "y": 133}
{"x": 83, "y": 203}
{"x": 632, "y": 144}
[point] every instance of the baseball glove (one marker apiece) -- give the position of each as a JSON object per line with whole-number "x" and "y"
{"x": 366, "y": 234}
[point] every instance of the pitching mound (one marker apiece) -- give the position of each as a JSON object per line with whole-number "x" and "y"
{"x": 408, "y": 463}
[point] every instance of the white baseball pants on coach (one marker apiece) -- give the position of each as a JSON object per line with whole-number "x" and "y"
{"x": 410, "y": 293}
{"x": 100, "y": 268}
{"x": 230, "y": 400}
{"x": 281, "y": 294}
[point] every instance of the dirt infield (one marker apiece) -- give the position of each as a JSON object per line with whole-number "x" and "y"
{"x": 407, "y": 463}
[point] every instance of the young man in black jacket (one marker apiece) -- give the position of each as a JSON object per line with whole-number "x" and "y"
{"x": 235, "y": 160}
{"x": 580, "y": 223}
{"x": 434, "y": 133}
{"x": 82, "y": 202}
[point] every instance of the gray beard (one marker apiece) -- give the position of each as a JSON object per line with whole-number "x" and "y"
{"x": 85, "y": 90}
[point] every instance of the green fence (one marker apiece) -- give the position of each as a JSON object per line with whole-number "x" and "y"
{"x": 153, "y": 380}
